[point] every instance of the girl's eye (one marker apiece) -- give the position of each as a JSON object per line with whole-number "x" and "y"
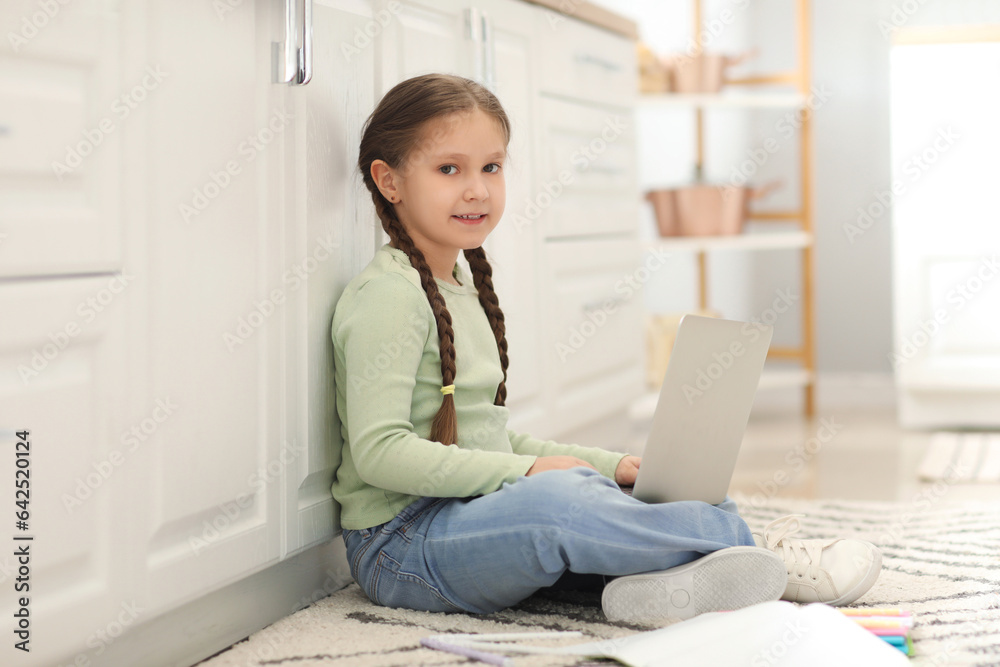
{"x": 492, "y": 164}
{"x": 447, "y": 166}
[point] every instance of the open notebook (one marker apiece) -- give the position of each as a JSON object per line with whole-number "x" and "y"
{"x": 777, "y": 634}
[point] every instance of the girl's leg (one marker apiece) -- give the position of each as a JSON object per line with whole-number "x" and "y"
{"x": 487, "y": 553}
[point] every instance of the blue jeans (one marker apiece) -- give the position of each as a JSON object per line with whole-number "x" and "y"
{"x": 486, "y": 553}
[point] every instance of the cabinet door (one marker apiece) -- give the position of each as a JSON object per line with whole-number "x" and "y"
{"x": 593, "y": 339}
{"x": 427, "y": 37}
{"x": 946, "y": 352}
{"x": 330, "y": 239}
{"x": 63, "y": 107}
{"x": 204, "y": 307}
{"x": 513, "y": 245}
{"x": 61, "y": 377}
{"x": 589, "y": 153}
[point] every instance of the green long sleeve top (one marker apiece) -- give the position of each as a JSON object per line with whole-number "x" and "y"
{"x": 387, "y": 370}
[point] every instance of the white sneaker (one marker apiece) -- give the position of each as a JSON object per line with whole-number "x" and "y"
{"x": 726, "y": 579}
{"x": 836, "y": 572}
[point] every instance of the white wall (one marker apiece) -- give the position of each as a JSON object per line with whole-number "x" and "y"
{"x": 853, "y": 290}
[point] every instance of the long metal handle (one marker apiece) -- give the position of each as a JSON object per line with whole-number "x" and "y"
{"x": 590, "y": 59}
{"x": 292, "y": 60}
{"x": 474, "y": 25}
{"x": 489, "y": 55}
{"x": 283, "y": 54}
{"x": 305, "y": 59}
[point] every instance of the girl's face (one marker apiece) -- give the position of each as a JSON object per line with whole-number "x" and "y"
{"x": 455, "y": 171}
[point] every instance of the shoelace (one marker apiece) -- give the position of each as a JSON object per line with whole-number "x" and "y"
{"x": 778, "y": 532}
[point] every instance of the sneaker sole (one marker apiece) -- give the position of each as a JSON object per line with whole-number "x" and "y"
{"x": 865, "y": 584}
{"x": 727, "y": 579}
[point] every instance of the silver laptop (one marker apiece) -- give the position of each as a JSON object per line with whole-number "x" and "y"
{"x": 702, "y": 411}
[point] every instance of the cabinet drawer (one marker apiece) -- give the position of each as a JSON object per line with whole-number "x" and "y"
{"x": 590, "y": 162}
{"x": 63, "y": 111}
{"x": 585, "y": 62}
{"x": 595, "y": 306}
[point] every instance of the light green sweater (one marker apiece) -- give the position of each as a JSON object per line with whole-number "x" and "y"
{"x": 387, "y": 371}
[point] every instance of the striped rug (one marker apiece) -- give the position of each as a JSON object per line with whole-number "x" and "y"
{"x": 962, "y": 456}
{"x": 940, "y": 559}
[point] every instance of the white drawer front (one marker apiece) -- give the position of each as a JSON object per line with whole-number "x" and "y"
{"x": 589, "y": 162}
{"x": 595, "y": 312}
{"x": 585, "y": 62}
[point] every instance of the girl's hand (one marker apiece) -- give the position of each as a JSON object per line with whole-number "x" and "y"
{"x": 543, "y": 463}
{"x": 626, "y": 471}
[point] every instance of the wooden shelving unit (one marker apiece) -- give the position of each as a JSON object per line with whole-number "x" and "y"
{"x": 800, "y": 240}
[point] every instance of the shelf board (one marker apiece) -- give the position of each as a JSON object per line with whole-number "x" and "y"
{"x": 736, "y": 100}
{"x": 642, "y": 408}
{"x": 745, "y": 241}
{"x": 785, "y": 377}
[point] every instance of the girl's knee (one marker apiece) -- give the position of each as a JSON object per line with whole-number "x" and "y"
{"x": 571, "y": 482}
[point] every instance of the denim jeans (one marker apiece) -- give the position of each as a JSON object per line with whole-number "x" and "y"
{"x": 486, "y": 553}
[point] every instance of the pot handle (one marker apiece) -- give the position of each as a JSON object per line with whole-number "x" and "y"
{"x": 766, "y": 189}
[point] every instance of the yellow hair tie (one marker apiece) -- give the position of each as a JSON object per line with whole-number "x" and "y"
{"x": 448, "y": 389}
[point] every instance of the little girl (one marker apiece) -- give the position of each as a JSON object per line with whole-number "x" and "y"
{"x": 443, "y": 507}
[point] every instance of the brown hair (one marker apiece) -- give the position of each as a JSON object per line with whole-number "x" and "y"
{"x": 394, "y": 133}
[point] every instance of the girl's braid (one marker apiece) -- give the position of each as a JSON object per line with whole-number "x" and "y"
{"x": 444, "y": 428}
{"x": 482, "y": 276}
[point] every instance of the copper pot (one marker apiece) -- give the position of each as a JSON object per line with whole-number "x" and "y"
{"x": 704, "y": 210}
{"x": 704, "y": 72}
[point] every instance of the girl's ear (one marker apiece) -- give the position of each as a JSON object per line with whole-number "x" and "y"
{"x": 386, "y": 180}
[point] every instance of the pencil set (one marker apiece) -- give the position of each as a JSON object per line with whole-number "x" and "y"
{"x": 891, "y": 625}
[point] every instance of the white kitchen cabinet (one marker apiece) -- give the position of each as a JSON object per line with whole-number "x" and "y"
{"x": 593, "y": 264}
{"x": 184, "y": 437}
{"x": 946, "y": 348}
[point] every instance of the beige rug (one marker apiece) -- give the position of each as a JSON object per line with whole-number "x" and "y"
{"x": 941, "y": 560}
{"x": 962, "y": 456}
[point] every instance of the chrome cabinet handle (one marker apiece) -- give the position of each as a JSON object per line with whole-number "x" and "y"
{"x": 489, "y": 55}
{"x": 590, "y": 59}
{"x": 284, "y": 62}
{"x": 292, "y": 63}
{"x": 474, "y": 25}
{"x": 305, "y": 59}
{"x": 600, "y": 304}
